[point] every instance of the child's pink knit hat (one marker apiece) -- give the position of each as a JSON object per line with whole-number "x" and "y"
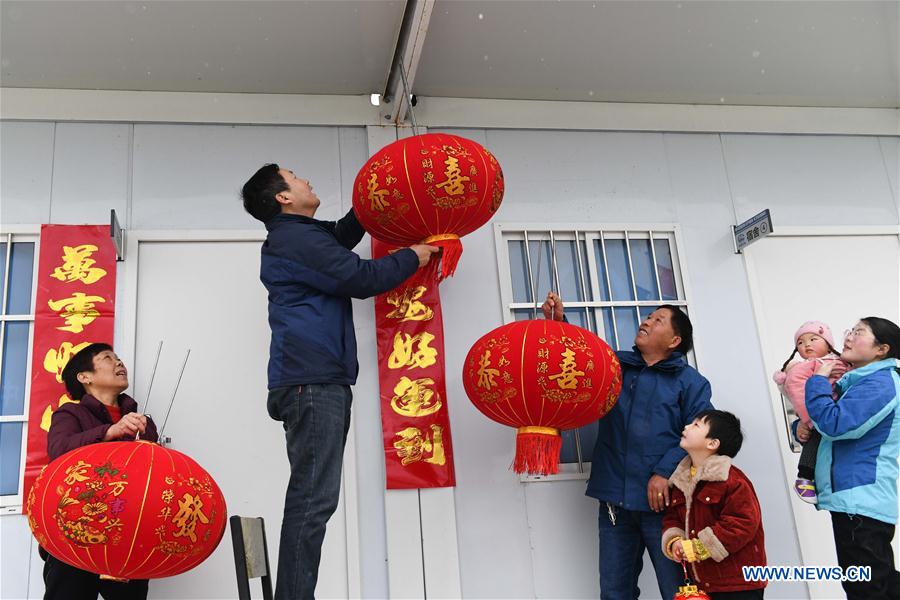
{"x": 817, "y": 327}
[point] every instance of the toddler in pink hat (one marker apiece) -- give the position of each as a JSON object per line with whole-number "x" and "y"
{"x": 814, "y": 345}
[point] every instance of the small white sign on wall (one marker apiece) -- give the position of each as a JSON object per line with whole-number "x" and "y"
{"x": 751, "y": 230}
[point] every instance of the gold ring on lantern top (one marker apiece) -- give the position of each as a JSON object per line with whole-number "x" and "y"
{"x": 538, "y": 429}
{"x": 440, "y": 237}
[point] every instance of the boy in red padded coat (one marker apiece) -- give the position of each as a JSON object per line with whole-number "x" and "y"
{"x": 713, "y": 520}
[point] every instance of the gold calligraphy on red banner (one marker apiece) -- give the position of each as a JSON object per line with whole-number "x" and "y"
{"x": 74, "y": 307}
{"x": 415, "y": 423}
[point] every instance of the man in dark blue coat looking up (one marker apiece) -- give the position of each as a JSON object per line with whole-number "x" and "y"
{"x": 637, "y": 449}
{"x": 311, "y": 273}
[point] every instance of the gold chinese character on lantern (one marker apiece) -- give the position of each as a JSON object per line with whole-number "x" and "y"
{"x": 414, "y": 446}
{"x": 409, "y": 308}
{"x": 485, "y": 374}
{"x": 377, "y": 196}
{"x": 78, "y": 265}
{"x": 455, "y": 183}
{"x": 427, "y": 163}
{"x": 187, "y": 516}
{"x": 406, "y": 355}
{"x": 567, "y": 378}
{"x": 77, "y": 311}
{"x": 414, "y": 397}
{"x": 56, "y": 358}
{"x": 77, "y": 472}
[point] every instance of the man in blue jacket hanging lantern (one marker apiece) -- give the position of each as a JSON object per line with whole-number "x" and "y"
{"x": 311, "y": 273}
{"x": 637, "y": 449}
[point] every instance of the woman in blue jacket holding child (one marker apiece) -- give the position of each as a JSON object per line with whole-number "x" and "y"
{"x": 856, "y": 469}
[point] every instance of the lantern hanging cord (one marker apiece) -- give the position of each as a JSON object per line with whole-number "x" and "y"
{"x": 174, "y": 393}
{"x": 408, "y": 95}
{"x": 152, "y": 376}
{"x": 537, "y": 279}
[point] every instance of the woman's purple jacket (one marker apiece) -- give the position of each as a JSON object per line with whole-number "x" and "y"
{"x": 76, "y": 424}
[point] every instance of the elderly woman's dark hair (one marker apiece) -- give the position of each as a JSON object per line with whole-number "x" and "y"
{"x": 81, "y": 361}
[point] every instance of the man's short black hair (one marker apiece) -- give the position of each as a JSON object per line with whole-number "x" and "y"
{"x": 81, "y": 361}
{"x": 683, "y": 328}
{"x": 260, "y": 190}
{"x": 725, "y": 427}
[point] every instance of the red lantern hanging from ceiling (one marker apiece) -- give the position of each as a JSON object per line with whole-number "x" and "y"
{"x": 541, "y": 376}
{"x": 127, "y": 510}
{"x": 432, "y": 188}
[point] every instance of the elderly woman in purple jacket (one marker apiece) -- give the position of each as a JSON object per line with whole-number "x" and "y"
{"x": 95, "y": 377}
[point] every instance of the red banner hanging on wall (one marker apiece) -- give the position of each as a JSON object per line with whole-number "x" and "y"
{"x": 74, "y": 306}
{"x": 418, "y": 452}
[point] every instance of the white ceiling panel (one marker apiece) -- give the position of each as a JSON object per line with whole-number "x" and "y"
{"x": 339, "y": 47}
{"x": 781, "y": 53}
{"x": 744, "y": 52}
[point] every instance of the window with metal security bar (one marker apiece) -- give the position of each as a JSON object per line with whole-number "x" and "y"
{"x": 17, "y": 263}
{"x": 609, "y": 280}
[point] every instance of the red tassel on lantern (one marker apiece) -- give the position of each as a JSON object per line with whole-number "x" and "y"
{"x": 451, "y": 251}
{"x": 537, "y": 450}
{"x": 540, "y": 377}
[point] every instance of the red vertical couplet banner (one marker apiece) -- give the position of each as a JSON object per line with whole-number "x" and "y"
{"x": 74, "y": 306}
{"x": 418, "y": 452}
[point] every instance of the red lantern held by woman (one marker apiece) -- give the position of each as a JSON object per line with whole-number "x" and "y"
{"x": 541, "y": 376}
{"x": 430, "y": 189}
{"x": 127, "y": 510}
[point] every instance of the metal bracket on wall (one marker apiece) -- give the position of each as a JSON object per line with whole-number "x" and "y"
{"x": 397, "y": 97}
{"x": 117, "y": 234}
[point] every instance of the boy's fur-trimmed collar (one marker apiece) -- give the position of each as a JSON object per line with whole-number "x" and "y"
{"x": 715, "y": 468}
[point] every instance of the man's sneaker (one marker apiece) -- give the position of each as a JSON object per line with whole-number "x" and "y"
{"x": 806, "y": 489}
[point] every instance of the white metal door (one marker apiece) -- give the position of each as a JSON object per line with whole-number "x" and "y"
{"x": 206, "y": 296}
{"x": 835, "y": 279}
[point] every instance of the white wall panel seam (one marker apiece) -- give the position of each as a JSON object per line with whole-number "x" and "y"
{"x": 24, "y": 104}
{"x": 52, "y": 169}
{"x": 887, "y": 177}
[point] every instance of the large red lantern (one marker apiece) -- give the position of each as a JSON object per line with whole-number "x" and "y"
{"x": 432, "y": 188}
{"x": 541, "y": 376}
{"x": 127, "y": 510}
